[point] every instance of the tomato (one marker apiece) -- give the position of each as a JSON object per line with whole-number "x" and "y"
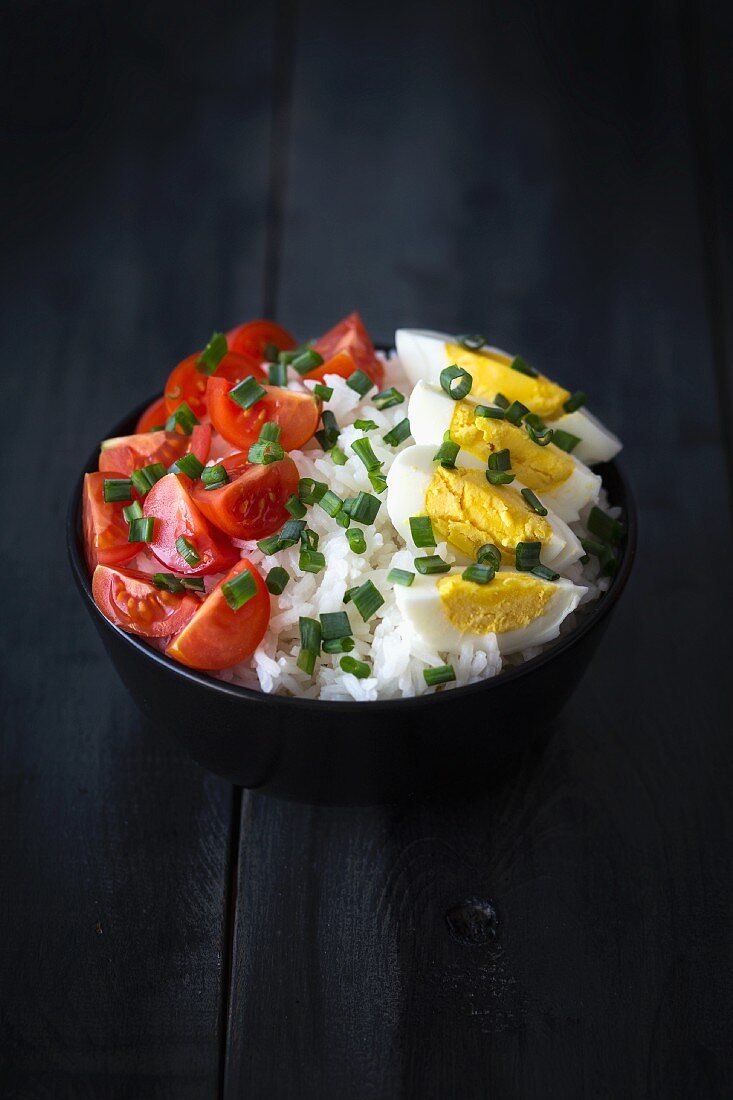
{"x": 252, "y": 505}
{"x": 219, "y": 637}
{"x": 130, "y": 600}
{"x": 154, "y": 416}
{"x": 350, "y": 335}
{"x": 176, "y": 515}
{"x": 342, "y": 364}
{"x": 105, "y": 527}
{"x": 297, "y": 415}
{"x": 130, "y": 452}
{"x": 186, "y": 383}
{"x": 201, "y": 442}
{"x": 254, "y": 337}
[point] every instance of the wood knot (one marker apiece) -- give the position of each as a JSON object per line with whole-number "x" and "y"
{"x": 473, "y": 922}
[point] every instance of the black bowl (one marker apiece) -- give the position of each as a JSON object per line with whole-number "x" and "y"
{"x": 352, "y": 753}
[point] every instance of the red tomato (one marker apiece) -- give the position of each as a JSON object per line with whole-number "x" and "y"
{"x": 297, "y": 415}
{"x": 253, "y": 338}
{"x": 176, "y": 515}
{"x": 342, "y": 364}
{"x": 130, "y": 600}
{"x": 201, "y": 442}
{"x": 219, "y": 637}
{"x": 252, "y": 505}
{"x": 188, "y": 384}
{"x": 130, "y": 452}
{"x": 105, "y": 527}
{"x": 154, "y": 416}
{"x": 350, "y": 335}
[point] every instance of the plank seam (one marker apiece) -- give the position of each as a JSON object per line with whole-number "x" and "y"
{"x": 230, "y": 918}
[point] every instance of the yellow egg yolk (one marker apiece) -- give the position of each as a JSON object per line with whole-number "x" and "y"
{"x": 469, "y": 512}
{"x": 509, "y": 602}
{"x": 493, "y": 374}
{"x": 539, "y": 468}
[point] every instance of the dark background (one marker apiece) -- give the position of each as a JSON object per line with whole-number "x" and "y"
{"x": 556, "y": 175}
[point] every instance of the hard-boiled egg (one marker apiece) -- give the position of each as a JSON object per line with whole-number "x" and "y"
{"x": 468, "y": 512}
{"x": 521, "y": 609}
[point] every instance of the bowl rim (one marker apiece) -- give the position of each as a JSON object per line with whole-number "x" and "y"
{"x": 555, "y": 649}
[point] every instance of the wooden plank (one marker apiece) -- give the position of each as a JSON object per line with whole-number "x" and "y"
{"x": 115, "y": 848}
{"x": 529, "y": 172}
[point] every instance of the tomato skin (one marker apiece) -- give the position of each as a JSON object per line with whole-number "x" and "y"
{"x": 105, "y": 527}
{"x": 253, "y": 337}
{"x": 130, "y": 600}
{"x": 129, "y": 452}
{"x": 201, "y": 442}
{"x": 252, "y": 505}
{"x": 219, "y": 637}
{"x": 154, "y": 416}
{"x": 351, "y": 335}
{"x": 341, "y": 364}
{"x": 297, "y": 415}
{"x": 175, "y": 514}
{"x": 186, "y": 383}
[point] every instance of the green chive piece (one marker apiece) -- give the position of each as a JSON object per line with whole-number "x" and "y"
{"x": 535, "y": 421}
{"x": 523, "y": 367}
{"x": 541, "y": 438}
{"x": 287, "y": 357}
{"x": 271, "y": 352}
{"x": 324, "y": 392}
{"x": 364, "y": 508}
{"x": 145, "y": 478}
{"x": 362, "y": 448}
{"x": 187, "y": 550}
{"x": 378, "y": 481}
{"x": 456, "y": 382}
{"x": 194, "y": 584}
{"x": 212, "y": 355}
{"x": 247, "y": 392}
{"x": 387, "y": 398}
{"x": 339, "y": 645}
{"x": 330, "y": 427}
{"x": 398, "y": 434}
{"x": 447, "y": 454}
{"x": 307, "y": 361}
{"x": 239, "y": 590}
{"x": 277, "y": 580}
{"x": 360, "y": 669}
{"x": 133, "y": 511}
{"x": 490, "y": 412}
{"x": 515, "y": 412}
{"x": 400, "y": 576}
{"x": 472, "y": 342}
{"x": 168, "y": 581}
{"x": 310, "y": 643}
{"x": 335, "y": 624}
{"x": 270, "y": 432}
{"x": 343, "y": 519}
{"x": 488, "y": 554}
{"x": 307, "y": 661}
{"x": 499, "y": 465}
{"x": 360, "y": 383}
{"x": 356, "y": 540}
{"x": 350, "y": 593}
{"x": 604, "y": 526}
{"x": 545, "y": 573}
{"x": 479, "y": 574}
{"x": 338, "y": 456}
{"x": 566, "y": 441}
{"x": 311, "y": 561}
{"x": 277, "y": 374}
{"x": 527, "y": 555}
{"x": 366, "y": 425}
{"x": 575, "y": 402}
{"x": 443, "y": 674}
{"x": 431, "y": 564}
{"x": 270, "y": 545}
{"x": 603, "y": 552}
{"x": 189, "y": 465}
{"x": 501, "y": 401}
{"x": 141, "y": 530}
{"x": 310, "y": 491}
{"x": 309, "y": 539}
{"x": 290, "y": 533}
{"x": 331, "y": 504}
{"x": 294, "y": 506}
{"x": 367, "y": 599}
{"x": 213, "y": 477}
{"x": 183, "y": 418}
{"x": 534, "y": 502}
{"x": 264, "y": 454}
{"x": 421, "y": 530}
{"x": 116, "y": 489}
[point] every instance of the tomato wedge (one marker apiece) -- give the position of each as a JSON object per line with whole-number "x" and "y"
{"x": 126, "y": 453}
{"x": 351, "y": 335}
{"x": 130, "y": 600}
{"x": 154, "y": 416}
{"x": 252, "y": 505}
{"x": 200, "y": 444}
{"x": 219, "y": 637}
{"x": 342, "y": 364}
{"x": 186, "y": 383}
{"x": 297, "y": 415}
{"x": 105, "y": 527}
{"x": 253, "y": 338}
{"x": 177, "y": 516}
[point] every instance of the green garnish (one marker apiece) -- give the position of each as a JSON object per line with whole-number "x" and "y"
{"x": 290, "y": 533}
{"x": 456, "y": 382}
{"x": 212, "y": 355}
{"x": 431, "y": 564}
{"x": 534, "y": 503}
{"x": 339, "y": 645}
{"x": 331, "y": 504}
{"x": 387, "y": 398}
{"x": 362, "y": 448}
{"x": 295, "y": 507}
{"x": 187, "y": 550}
{"x": 566, "y": 441}
{"x": 265, "y": 452}
{"x": 541, "y": 438}
{"x": 575, "y": 401}
{"x": 400, "y": 576}
{"x": 488, "y": 554}
{"x": 309, "y": 539}
{"x": 277, "y": 580}
{"x": 189, "y": 465}
{"x": 311, "y": 561}
{"x": 183, "y": 418}
{"x": 499, "y": 465}
{"x": 491, "y": 412}
{"x": 171, "y": 583}
{"x": 335, "y": 624}
{"x": 364, "y": 508}
{"x": 145, "y": 478}
{"x": 447, "y": 454}
{"x": 247, "y": 392}
{"x": 527, "y": 555}
{"x": 398, "y": 434}
{"x": 239, "y": 590}
{"x": 271, "y": 352}
{"x": 277, "y": 374}
{"x": 307, "y": 361}
{"x": 603, "y": 552}
{"x": 356, "y": 540}
{"x": 270, "y": 545}
{"x": 310, "y": 643}
{"x": 360, "y": 382}
{"x": 366, "y": 599}
{"x": 442, "y": 674}
{"x": 213, "y": 477}
{"x": 472, "y": 342}
{"x": 501, "y": 401}
{"x": 270, "y": 432}
{"x": 141, "y": 530}
{"x": 360, "y": 669}
{"x": 115, "y": 489}
{"x": 133, "y": 511}
{"x": 378, "y": 481}
{"x": 523, "y": 367}
{"x": 311, "y": 491}
{"x": 604, "y": 526}
{"x": 366, "y": 425}
{"x": 515, "y": 412}
{"x": 421, "y": 530}
{"x": 324, "y": 392}
{"x": 545, "y": 573}
{"x": 479, "y": 574}
{"x": 338, "y": 456}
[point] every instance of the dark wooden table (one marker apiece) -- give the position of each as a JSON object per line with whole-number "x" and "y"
{"x": 558, "y": 176}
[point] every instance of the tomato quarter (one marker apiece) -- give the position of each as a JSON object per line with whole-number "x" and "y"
{"x": 131, "y": 601}
{"x": 188, "y": 384}
{"x": 296, "y": 414}
{"x": 105, "y": 527}
{"x": 176, "y": 516}
{"x": 253, "y": 338}
{"x": 154, "y": 416}
{"x": 252, "y": 505}
{"x": 351, "y": 335}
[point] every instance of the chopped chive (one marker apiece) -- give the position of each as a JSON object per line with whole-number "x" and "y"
{"x": 535, "y": 421}
{"x": 360, "y": 669}
{"x": 213, "y": 477}
{"x": 270, "y": 545}
{"x": 366, "y": 425}
{"x": 367, "y": 599}
{"x": 212, "y": 355}
{"x": 357, "y": 542}
{"x": 545, "y": 573}
{"x": 360, "y": 383}
{"x": 310, "y": 643}
{"x": 472, "y": 341}
{"x": 515, "y": 412}
{"x": 603, "y": 552}
{"x": 534, "y": 502}
{"x": 343, "y": 519}
{"x": 335, "y": 624}
{"x": 497, "y": 472}
{"x": 294, "y": 506}
{"x": 488, "y": 554}
{"x": 324, "y": 392}
{"x": 541, "y": 438}
{"x": 331, "y": 504}
{"x": 400, "y": 576}
{"x": 189, "y": 465}
{"x": 479, "y": 574}
{"x": 277, "y": 580}
{"x": 421, "y": 530}
{"x": 290, "y": 533}
{"x": 378, "y": 481}
{"x": 133, "y": 511}
{"x": 566, "y": 441}
{"x": 339, "y": 645}
{"x": 247, "y": 392}
{"x": 116, "y": 489}
{"x": 307, "y": 361}
{"x": 270, "y": 432}
{"x": 523, "y": 367}
{"x": 287, "y": 357}
{"x": 187, "y": 550}
{"x": 575, "y": 401}
{"x": 431, "y": 564}
{"x": 145, "y": 478}
{"x": 277, "y": 374}
{"x": 604, "y": 526}
{"x": 387, "y": 398}
{"x": 307, "y": 660}
{"x": 311, "y": 561}
{"x": 490, "y": 412}
{"x": 271, "y": 352}
{"x": 330, "y": 427}
{"x": 183, "y": 418}
{"x": 447, "y": 454}
{"x": 442, "y": 674}
{"x": 527, "y": 555}
{"x": 168, "y": 581}
{"x": 311, "y": 491}
{"x": 194, "y": 584}
{"x": 309, "y": 539}
{"x": 364, "y": 508}
{"x": 362, "y": 448}
{"x": 502, "y": 401}
{"x": 350, "y": 593}
{"x": 338, "y": 456}
{"x": 239, "y": 590}
{"x": 398, "y": 434}
{"x": 456, "y": 382}
{"x": 265, "y": 453}
{"x": 141, "y": 530}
